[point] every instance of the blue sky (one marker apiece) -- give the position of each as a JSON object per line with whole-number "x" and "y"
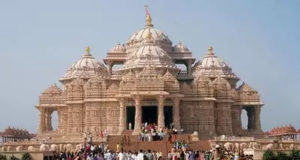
{"x": 39, "y": 40}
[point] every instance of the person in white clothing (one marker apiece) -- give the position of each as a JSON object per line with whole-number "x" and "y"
{"x": 140, "y": 155}
{"x": 108, "y": 155}
{"x": 122, "y": 156}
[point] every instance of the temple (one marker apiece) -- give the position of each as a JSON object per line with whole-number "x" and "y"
{"x": 158, "y": 82}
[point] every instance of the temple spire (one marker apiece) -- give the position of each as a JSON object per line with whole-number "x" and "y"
{"x": 148, "y": 17}
{"x": 210, "y": 50}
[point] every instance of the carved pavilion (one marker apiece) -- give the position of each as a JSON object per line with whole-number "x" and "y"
{"x": 150, "y": 87}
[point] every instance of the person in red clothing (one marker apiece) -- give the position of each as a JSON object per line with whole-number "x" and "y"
{"x": 101, "y": 134}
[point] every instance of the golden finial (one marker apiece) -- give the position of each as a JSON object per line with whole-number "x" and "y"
{"x": 210, "y": 50}
{"x": 148, "y": 17}
{"x": 87, "y": 51}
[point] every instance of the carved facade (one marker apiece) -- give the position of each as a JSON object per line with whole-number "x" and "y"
{"x": 204, "y": 97}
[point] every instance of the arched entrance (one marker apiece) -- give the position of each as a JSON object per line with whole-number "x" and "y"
{"x": 54, "y": 120}
{"x": 248, "y": 118}
{"x": 244, "y": 119}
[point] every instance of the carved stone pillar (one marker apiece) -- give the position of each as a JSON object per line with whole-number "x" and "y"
{"x": 138, "y": 116}
{"x": 59, "y": 114}
{"x": 70, "y": 120}
{"x": 42, "y": 120}
{"x": 176, "y": 110}
{"x": 257, "y": 118}
{"x": 251, "y": 118}
{"x": 46, "y": 120}
{"x": 236, "y": 114}
{"x": 189, "y": 68}
{"x": 49, "y": 113}
{"x": 109, "y": 66}
{"x": 161, "y": 116}
{"x": 122, "y": 119}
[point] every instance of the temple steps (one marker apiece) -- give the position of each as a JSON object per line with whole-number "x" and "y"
{"x": 132, "y": 143}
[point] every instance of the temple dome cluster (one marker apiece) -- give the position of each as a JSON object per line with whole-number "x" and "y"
{"x": 200, "y": 96}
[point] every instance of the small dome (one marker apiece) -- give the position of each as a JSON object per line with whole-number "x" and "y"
{"x": 213, "y": 66}
{"x": 118, "y": 48}
{"x": 149, "y": 52}
{"x": 246, "y": 88}
{"x": 86, "y": 67}
{"x": 180, "y": 47}
{"x": 52, "y": 90}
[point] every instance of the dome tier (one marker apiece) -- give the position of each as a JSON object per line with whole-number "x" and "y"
{"x": 149, "y": 52}
{"x": 144, "y": 33}
{"x": 212, "y": 66}
{"x": 86, "y": 67}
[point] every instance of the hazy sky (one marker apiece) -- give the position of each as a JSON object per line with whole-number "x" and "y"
{"x": 39, "y": 40}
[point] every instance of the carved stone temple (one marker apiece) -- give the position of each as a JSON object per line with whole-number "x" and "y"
{"x": 150, "y": 86}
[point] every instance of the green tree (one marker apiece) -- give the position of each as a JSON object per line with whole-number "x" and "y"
{"x": 26, "y": 156}
{"x": 269, "y": 155}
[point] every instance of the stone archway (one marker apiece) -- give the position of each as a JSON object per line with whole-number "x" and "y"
{"x": 48, "y": 117}
{"x": 244, "y": 119}
{"x": 54, "y": 120}
{"x": 249, "y": 116}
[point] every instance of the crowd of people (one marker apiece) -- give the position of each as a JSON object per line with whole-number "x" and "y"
{"x": 151, "y": 132}
{"x": 99, "y": 153}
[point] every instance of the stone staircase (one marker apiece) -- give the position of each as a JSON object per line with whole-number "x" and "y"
{"x": 132, "y": 143}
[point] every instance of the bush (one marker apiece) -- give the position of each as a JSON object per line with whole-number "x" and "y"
{"x": 282, "y": 156}
{"x": 294, "y": 155}
{"x": 269, "y": 155}
{"x": 26, "y": 156}
{"x": 14, "y": 158}
{"x": 3, "y": 157}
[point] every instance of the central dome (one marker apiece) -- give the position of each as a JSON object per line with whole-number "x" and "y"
{"x": 157, "y": 36}
{"x": 143, "y": 34}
